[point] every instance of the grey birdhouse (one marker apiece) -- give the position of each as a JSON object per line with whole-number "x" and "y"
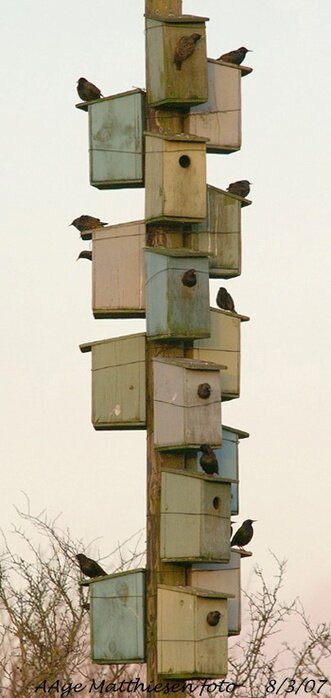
{"x": 228, "y": 462}
{"x": 195, "y": 517}
{"x": 116, "y": 140}
{"x": 117, "y": 618}
{"x": 171, "y": 83}
{"x": 219, "y": 235}
{"x": 219, "y": 118}
{"x": 222, "y": 347}
{"x": 185, "y": 414}
{"x": 175, "y": 178}
{"x": 118, "y": 271}
{"x": 188, "y": 646}
{"x": 176, "y": 294}
{"x": 118, "y": 382}
{"x": 224, "y": 578}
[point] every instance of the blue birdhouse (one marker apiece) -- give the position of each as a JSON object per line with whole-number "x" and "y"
{"x": 219, "y": 235}
{"x": 117, "y": 617}
{"x": 176, "y": 294}
{"x": 116, "y": 140}
{"x": 176, "y": 61}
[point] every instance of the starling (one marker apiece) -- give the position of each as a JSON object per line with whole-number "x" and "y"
{"x": 213, "y": 617}
{"x": 184, "y": 48}
{"x": 89, "y": 567}
{"x": 244, "y": 534}
{"x": 224, "y": 300}
{"x": 240, "y": 188}
{"x": 85, "y": 254}
{"x": 237, "y": 56}
{"x": 87, "y": 91}
{"x": 84, "y": 223}
{"x": 208, "y": 460}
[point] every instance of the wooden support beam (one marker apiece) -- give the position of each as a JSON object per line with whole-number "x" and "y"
{"x": 163, "y": 7}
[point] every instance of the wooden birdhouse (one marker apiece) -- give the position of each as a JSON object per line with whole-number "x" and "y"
{"x": 223, "y": 578}
{"x": 192, "y": 632}
{"x": 197, "y": 506}
{"x": 117, "y": 617}
{"x": 176, "y": 294}
{"x": 172, "y": 83}
{"x": 116, "y": 140}
{"x": 175, "y": 178}
{"x": 118, "y": 271}
{"x": 222, "y": 347}
{"x": 228, "y": 461}
{"x": 219, "y": 235}
{"x": 219, "y": 118}
{"x": 118, "y": 382}
{"x": 187, "y": 403}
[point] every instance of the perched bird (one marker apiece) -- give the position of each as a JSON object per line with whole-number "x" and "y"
{"x": 84, "y": 223}
{"x": 89, "y": 567}
{"x": 244, "y": 534}
{"x": 213, "y": 617}
{"x": 240, "y": 188}
{"x": 224, "y": 300}
{"x": 184, "y": 48}
{"x": 208, "y": 460}
{"x": 87, "y": 91}
{"x": 85, "y": 254}
{"x": 237, "y": 56}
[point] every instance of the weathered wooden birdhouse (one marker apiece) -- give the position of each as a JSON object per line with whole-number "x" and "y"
{"x": 117, "y": 617}
{"x": 118, "y": 382}
{"x": 222, "y": 347}
{"x": 219, "y": 118}
{"x": 197, "y": 506}
{"x": 116, "y": 140}
{"x": 118, "y": 271}
{"x": 175, "y": 178}
{"x": 187, "y": 403}
{"x": 192, "y": 632}
{"x": 219, "y": 235}
{"x": 223, "y": 578}
{"x": 173, "y": 84}
{"x": 176, "y": 294}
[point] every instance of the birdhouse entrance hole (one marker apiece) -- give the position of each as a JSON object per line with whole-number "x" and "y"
{"x": 216, "y": 503}
{"x": 184, "y": 161}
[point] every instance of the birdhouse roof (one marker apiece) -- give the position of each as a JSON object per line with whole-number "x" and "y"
{"x": 87, "y": 346}
{"x": 85, "y": 105}
{"x": 190, "y": 364}
{"x": 241, "y": 434}
{"x": 180, "y": 137}
{"x": 199, "y": 476}
{"x": 243, "y": 201}
{"x": 177, "y": 252}
{"x": 196, "y": 591}
{"x": 244, "y": 69}
{"x": 99, "y": 580}
{"x": 243, "y": 318}
{"x": 180, "y": 19}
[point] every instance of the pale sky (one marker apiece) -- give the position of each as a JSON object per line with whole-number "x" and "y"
{"x": 49, "y": 448}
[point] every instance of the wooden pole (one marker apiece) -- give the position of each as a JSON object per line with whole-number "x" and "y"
{"x": 165, "y": 235}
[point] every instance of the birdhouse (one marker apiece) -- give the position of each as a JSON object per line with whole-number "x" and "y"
{"x": 187, "y": 403}
{"x": 219, "y": 235}
{"x": 118, "y": 382}
{"x": 197, "y": 506}
{"x": 170, "y": 82}
{"x": 219, "y": 118}
{"x": 224, "y": 578}
{"x": 117, "y": 617}
{"x": 116, "y": 140}
{"x": 192, "y": 632}
{"x": 228, "y": 462}
{"x": 176, "y": 294}
{"x": 175, "y": 178}
{"x": 222, "y": 347}
{"x": 118, "y": 271}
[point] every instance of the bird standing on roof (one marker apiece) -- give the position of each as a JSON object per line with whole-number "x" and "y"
{"x": 84, "y": 223}
{"x": 237, "y": 56}
{"x": 208, "y": 460}
{"x": 244, "y": 534}
{"x": 89, "y": 567}
{"x": 87, "y": 91}
{"x": 224, "y": 300}
{"x": 240, "y": 188}
{"x": 184, "y": 48}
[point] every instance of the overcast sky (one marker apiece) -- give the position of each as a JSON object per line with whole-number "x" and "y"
{"x": 48, "y": 446}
